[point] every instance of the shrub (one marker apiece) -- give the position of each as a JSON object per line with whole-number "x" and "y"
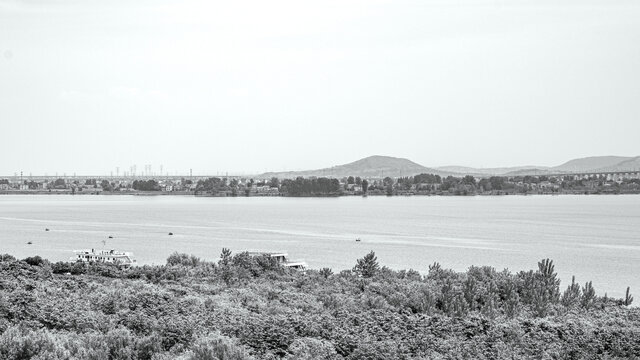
{"x": 7, "y": 258}
{"x": 182, "y": 259}
{"x": 326, "y": 272}
{"x": 312, "y": 349}
{"x": 217, "y": 347}
{"x": 61, "y": 267}
{"x": 19, "y": 342}
{"x": 120, "y": 344}
{"x": 147, "y": 346}
{"x": 378, "y": 350}
{"x": 78, "y": 268}
{"x": 34, "y": 260}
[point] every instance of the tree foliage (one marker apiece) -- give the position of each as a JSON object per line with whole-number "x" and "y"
{"x": 246, "y": 306}
{"x": 311, "y": 187}
{"x": 367, "y": 266}
{"x": 145, "y": 185}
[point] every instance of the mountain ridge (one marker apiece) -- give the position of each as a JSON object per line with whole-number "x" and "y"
{"x": 371, "y": 166}
{"x": 590, "y": 163}
{"x": 632, "y": 164}
{"x": 379, "y": 166}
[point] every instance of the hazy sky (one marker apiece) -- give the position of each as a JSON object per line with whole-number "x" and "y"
{"x": 250, "y": 86}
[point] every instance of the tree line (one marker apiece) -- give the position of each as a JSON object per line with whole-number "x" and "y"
{"x": 250, "y": 307}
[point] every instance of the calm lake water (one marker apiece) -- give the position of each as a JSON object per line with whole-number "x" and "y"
{"x": 593, "y": 237}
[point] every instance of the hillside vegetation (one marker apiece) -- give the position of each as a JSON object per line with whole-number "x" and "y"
{"x": 245, "y": 307}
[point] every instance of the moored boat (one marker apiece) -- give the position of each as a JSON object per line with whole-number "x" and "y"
{"x": 281, "y": 258}
{"x": 120, "y": 258}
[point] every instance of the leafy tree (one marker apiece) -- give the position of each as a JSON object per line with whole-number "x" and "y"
{"x": 571, "y": 296}
{"x": 485, "y": 185}
{"x": 497, "y": 182}
{"x": 389, "y": 190}
{"x": 449, "y": 183}
{"x": 427, "y": 179}
{"x": 512, "y": 304}
{"x": 367, "y": 266}
{"x": 588, "y": 295}
{"x": 211, "y": 185}
{"x": 549, "y": 279}
{"x": 225, "y": 257}
{"x": 146, "y": 185}
{"x": 106, "y": 186}
{"x": 469, "y": 180}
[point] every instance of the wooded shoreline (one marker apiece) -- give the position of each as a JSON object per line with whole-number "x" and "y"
{"x": 244, "y": 307}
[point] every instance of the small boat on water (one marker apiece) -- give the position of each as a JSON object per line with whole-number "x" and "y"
{"x": 358, "y": 239}
{"x": 120, "y": 258}
{"x": 47, "y": 229}
{"x": 29, "y": 243}
{"x": 170, "y": 233}
{"x": 110, "y": 237}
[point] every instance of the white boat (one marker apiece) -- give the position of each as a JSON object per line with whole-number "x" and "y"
{"x": 282, "y": 258}
{"x": 120, "y": 258}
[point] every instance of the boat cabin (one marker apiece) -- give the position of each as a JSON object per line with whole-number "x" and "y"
{"x": 281, "y": 258}
{"x": 115, "y": 257}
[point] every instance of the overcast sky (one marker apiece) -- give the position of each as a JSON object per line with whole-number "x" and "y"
{"x": 249, "y": 86}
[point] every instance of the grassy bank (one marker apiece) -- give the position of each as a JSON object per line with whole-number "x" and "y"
{"x": 243, "y": 307}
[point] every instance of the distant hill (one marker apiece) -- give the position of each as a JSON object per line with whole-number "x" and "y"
{"x": 631, "y": 164}
{"x": 587, "y": 164}
{"x": 490, "y": 171}
{"x": 382, "y": 166}
{"x": 528, "y": 171}
{"x": 593, "y": 163}
{"x": 372, "y": 166}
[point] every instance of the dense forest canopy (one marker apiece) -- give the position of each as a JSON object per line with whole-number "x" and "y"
{"x": 146, "y": 185}
{"x": 250, "y": 307}
{"x": 311, "y": 187}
